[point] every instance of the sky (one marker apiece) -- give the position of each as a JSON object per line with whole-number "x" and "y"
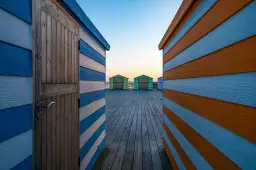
{"x": 133, "y": 28}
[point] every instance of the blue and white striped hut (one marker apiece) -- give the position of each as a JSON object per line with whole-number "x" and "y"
{"x": 160, "y": 83}
{"x": 52, "y": 82}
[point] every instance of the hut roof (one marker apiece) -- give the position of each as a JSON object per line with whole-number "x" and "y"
{"x": 143, "y": 75}
{"x": 185, "y": 6}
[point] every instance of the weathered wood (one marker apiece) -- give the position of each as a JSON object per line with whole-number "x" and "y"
{"x": 43, "y": 45}
{"x": 133, "y": 133}
{"x": 66, "y": 44}
{"x": 147, "y": 161}
{"x": 57, "y": 131}
{"x": 54, "y": 63}
{"x": 115, "y": 142}
{"x": 58, "y": 53}
{"x": 49, "y": 48}
{"x": 117, "y": 164}
{"x": 59, "y": 15}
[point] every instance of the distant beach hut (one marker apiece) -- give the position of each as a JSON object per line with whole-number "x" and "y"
{"x": 160, "y": 83}
{"x": 143, "y": 82}
{"x": 118, "y": 82}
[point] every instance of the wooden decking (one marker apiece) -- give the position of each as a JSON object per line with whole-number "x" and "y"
{"x": 133, "y": 128}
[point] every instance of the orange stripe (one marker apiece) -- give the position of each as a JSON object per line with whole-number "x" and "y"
{"x": 176, "y": 20}
{"x": 169, "y": 154}
{"x": 236, "y": 58}
{"x": 186, "y": 161}
{"x": 190, "y": 11}
{"x": 213, "y": 156}
{"x": 237, "y": 118}
{"x": 219, "y": 13}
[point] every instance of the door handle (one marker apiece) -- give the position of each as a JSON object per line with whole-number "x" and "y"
{"x": 42, "y": 106}
{"x": 45, "y": 106}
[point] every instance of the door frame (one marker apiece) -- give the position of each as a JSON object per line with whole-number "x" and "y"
{"x": 36, "y": 64}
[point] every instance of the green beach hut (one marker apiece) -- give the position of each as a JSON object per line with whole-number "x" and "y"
{"x": 143, "y": 82}
{"x": 118, "y": 82}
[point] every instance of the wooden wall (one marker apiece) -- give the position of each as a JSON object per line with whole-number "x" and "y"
{"x": 92, "y": 61}
{"x": 16, "y": 85}
{"x": 160, "y": 83}
{"x": 111, "y": 82}
{"x": 92, "y": 100}
{"x": 136, "y": 82}
{"x": 209, "y": 71}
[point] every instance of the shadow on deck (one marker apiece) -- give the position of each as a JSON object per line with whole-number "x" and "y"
{"x": 133, "y": 129}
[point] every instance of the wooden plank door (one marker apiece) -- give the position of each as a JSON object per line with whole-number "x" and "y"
{"x": 56, "y": 80}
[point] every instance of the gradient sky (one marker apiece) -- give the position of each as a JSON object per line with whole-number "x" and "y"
{"x": 133, "y": 28}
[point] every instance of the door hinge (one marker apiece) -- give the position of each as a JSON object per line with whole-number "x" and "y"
{"x": 78, "y": 45}
{"x": 78, "y": 102}
{"x": 79, "y": 160}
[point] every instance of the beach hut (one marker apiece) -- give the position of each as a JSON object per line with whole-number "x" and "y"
{"x": 52, "y": 78}
{"x": 154, "y": 85}
{"x": 160, "y": 83}
{"x": 143, "y": 82}
{"x": 118, "y": 82}
{"x": 209, "y": 85}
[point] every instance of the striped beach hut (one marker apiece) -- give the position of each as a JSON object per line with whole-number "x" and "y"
{"x": 209, "y": 85}
{"x": 160, "y": 83}
{"x": 118, "y": 82}
{"x": 51, "y": 86}
{"x": 143, "y": 82}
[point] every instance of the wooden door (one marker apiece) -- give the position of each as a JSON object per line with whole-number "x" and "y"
{"x": 56, "y": 80}
{"x": 143, "y": 83}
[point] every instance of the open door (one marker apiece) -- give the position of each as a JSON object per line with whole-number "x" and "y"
{"x": 56, "y": 93}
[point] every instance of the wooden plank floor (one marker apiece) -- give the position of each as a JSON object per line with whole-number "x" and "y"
{"x": 133, "y": 128}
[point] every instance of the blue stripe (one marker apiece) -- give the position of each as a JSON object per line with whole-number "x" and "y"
{"x": 96, "y": 155}
{"x": 239, "y": 150}
{"x": 77, "y": 10}
{"x": 15, "y": 31}
{"x": 240, "y": 26}
{"x": 88, "y": 121}
{"x": 15, "y": 91}
{"x": 24, "y": 165}
{"x": 87, "y": 98}
{"x": 91, "y": 53}
{"x": 174, "y": 152}
{"x": 235, "y": 88}
{"x": 14, "y": 150}
{"x": 88, "y": 74}
{"x": 87, "y": 146}
{"x": 15, "y": 61}
{"x": 14, "y": 121}
{"x": 198, "y": 13}
{"x": 20, "y": 8}
{"x": 191, "y": 152}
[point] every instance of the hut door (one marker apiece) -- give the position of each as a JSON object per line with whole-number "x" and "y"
{"x": 143, "y": 83}
{"x": 56, "y": 88}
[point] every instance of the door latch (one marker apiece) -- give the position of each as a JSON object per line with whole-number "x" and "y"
{"x": 42, "y": 106}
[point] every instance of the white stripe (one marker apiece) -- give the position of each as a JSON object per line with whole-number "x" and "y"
{"x": 91, "y": 64}
{"x": 91, "y": 130}
{"x": 15, "y": 150}
{"x": 85, "y": 162}
{"x": 14, "y": 30}
{"x": 90, "y": 86}
{"x": 86, "y": 38}
{"x": 15, "y": 91}
{"x": 91, "y": 108}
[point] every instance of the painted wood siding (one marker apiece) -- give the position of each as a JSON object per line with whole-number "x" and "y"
{"x": 209, "y": 86}
{"x": 160, "y": 83}
{"x": 112, "y": 82}
{"x": 137, "y": 82}
{"x": 16, "y": 88}
{"x": 92, "y": 100}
